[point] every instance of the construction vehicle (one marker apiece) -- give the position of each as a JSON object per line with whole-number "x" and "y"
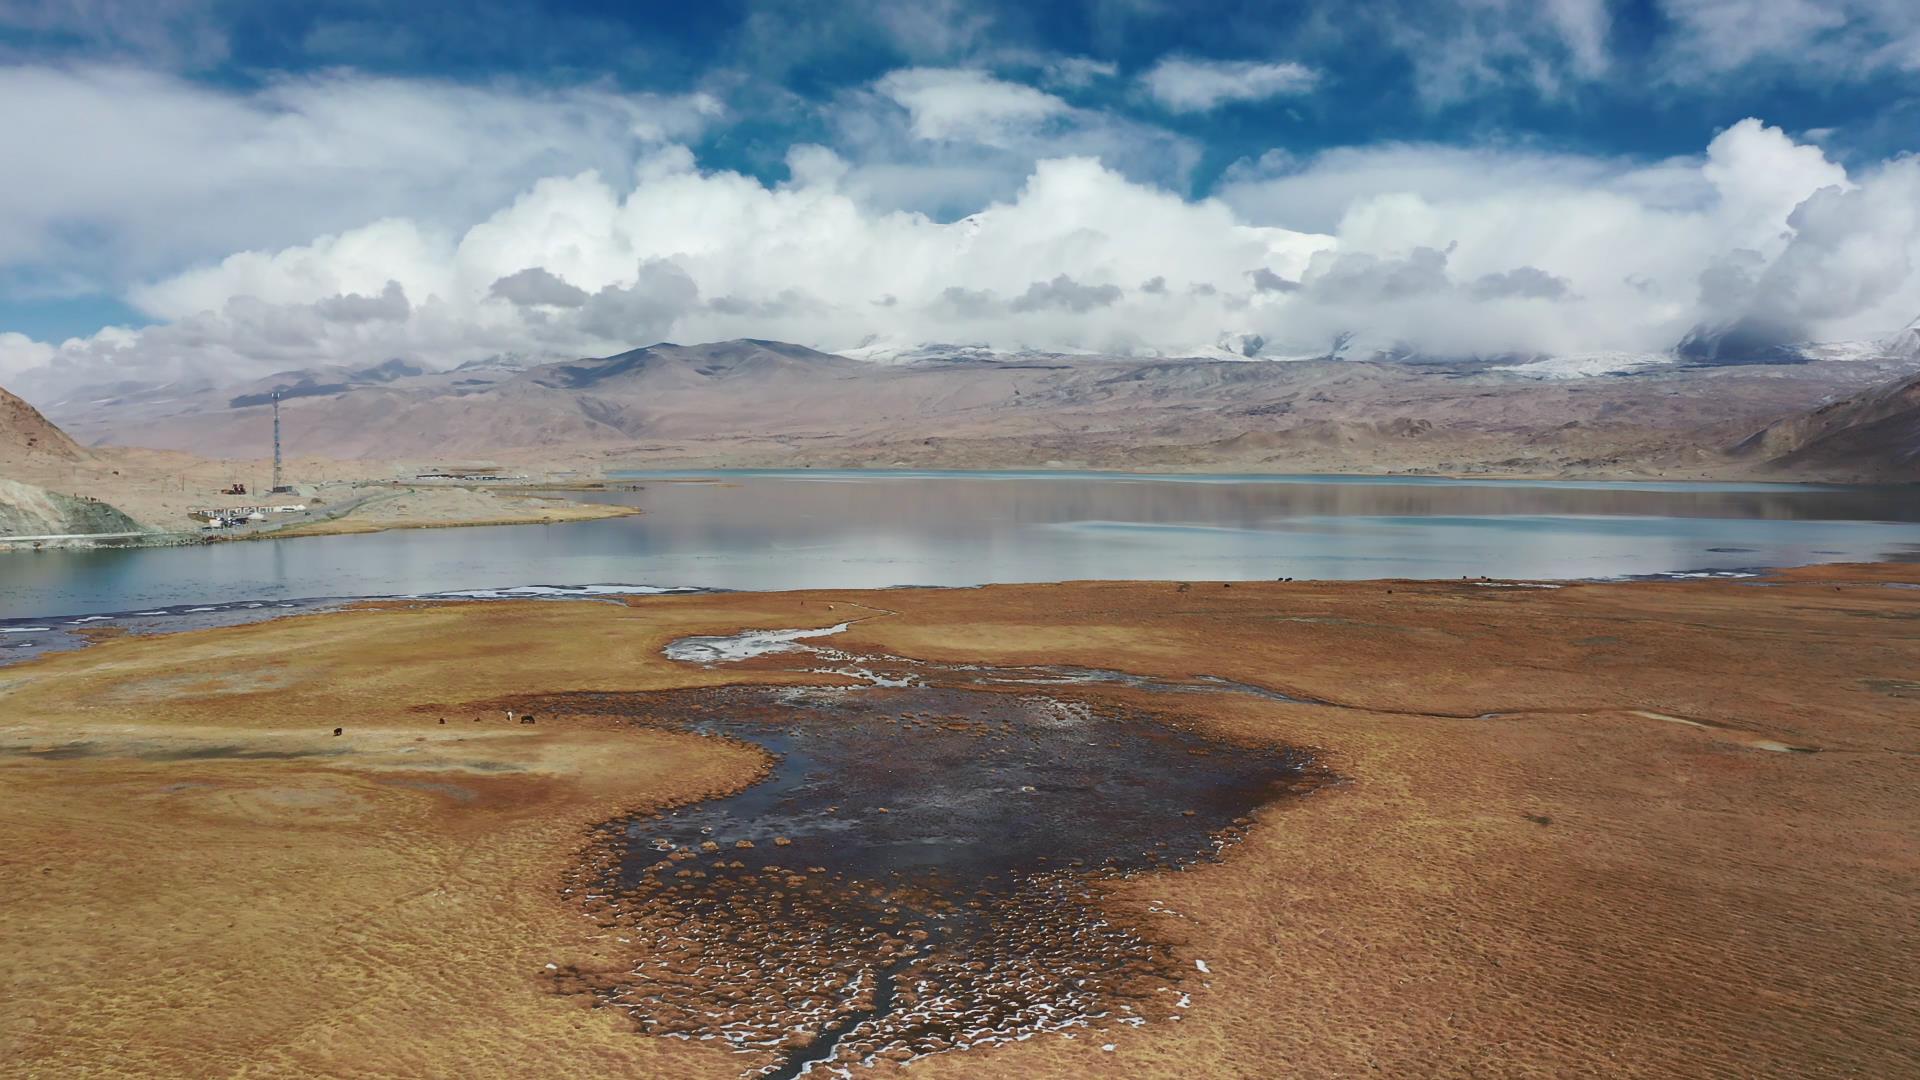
{"x": 235, "y": 488}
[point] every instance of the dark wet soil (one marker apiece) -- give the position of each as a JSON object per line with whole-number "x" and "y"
{"x": 919, "y": 872}
{"x": 148, "y": 752}
{"x": 24, "y": 638}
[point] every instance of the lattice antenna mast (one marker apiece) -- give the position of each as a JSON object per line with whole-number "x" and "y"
{"x": 276, "y": 440}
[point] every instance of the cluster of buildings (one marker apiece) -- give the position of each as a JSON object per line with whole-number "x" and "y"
{"x": 462, "y": 473}
{"x": 229, "y": 517}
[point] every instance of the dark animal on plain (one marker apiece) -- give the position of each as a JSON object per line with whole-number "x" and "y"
{"x": 337, "y": 731}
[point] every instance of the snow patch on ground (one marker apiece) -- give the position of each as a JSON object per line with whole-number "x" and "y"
{"x": 745, "y": 645}
{"x": 1582, "y": 365}
{"x": 1844, "y": 352}
{"x": 525, "y": 592}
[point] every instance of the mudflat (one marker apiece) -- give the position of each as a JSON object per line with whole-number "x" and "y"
{"x": 1598, "y": 829}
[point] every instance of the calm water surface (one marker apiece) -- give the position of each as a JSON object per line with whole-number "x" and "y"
{"x": 814, "y": 528}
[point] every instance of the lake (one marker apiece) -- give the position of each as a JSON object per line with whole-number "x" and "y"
{"x": 845, "y": 529}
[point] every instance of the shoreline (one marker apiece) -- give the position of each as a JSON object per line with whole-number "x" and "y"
{"x": 1473, "y": 853}
{"x": 610, "y": 461}
{"x": 555, "y": 510}
{"x": 707, "y": 474}
{"x": 561, "y": 505}
{"x": 562, "y": 512}
{"x": 608, "y": 591}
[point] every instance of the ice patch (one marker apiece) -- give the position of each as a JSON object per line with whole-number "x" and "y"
{"x": 871, "y": 678}
{"x": 90, "y": 618}
{"x": 536, "y": 592}
{"x": 743, "y": 646}
{"x": 1583, "y": 365}
{"x": 24, "y": 629}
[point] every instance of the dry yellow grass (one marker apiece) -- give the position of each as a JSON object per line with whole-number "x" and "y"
{"x": 1527, "y": 871}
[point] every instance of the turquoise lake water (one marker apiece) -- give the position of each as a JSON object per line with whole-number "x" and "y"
{"x": 843, "y": 529}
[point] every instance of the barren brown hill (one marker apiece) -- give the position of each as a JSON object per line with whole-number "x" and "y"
{"x": 24, "y": 434}
{"x": 32, "y": 450}
{"x": 751, "y": 403}
{"x": 1874, "y": 435}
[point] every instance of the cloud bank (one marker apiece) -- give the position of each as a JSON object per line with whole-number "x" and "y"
{"x": 118, "y": 173}
{"x": 586, "y": 225}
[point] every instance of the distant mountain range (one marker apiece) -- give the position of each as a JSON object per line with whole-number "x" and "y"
{"x": 752, "y": 402}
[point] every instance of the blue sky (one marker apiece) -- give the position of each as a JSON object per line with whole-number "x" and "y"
{"x": 1656, "y": 80}
{"x": 941, "y": 109}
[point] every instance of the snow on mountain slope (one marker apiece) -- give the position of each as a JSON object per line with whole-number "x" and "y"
{"x": 1587, "y": 365}
{"x": 1904, "y": 345}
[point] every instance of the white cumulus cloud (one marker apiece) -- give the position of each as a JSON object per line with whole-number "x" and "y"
{"x": 959, "y": 104}
{"x": 1183, "y": 84}
{"x": 1826, "y": 40}
{"x": 117, "y": 173}
{"x": 1447, "y": 249}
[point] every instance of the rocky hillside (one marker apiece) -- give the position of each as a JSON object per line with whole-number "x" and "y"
{"x": 27, "y": 435}
{"x": 26, "y": 510}
{"x": 1873, "y": 435}
{"x": 32, "y": 448}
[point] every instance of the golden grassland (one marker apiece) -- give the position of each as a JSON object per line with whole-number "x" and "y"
{"x": 1569, "y": 838}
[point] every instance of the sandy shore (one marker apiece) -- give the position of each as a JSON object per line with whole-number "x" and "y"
{"x": 1573, "y": 834}
{"x": 448, "y": 507}
{"x": 158, "y": 489}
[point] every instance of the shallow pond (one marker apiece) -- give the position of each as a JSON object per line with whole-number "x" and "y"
{"x": 919, "y": 872}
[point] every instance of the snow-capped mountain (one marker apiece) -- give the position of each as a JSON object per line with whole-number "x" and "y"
{"x": 1904, "y": 345}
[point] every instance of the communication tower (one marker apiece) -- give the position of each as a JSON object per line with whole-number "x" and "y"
{"x": 278, "y": 484}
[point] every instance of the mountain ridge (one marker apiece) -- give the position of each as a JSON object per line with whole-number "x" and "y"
{"x": 1872, "y": 435}
{"x": 760, "y": 402}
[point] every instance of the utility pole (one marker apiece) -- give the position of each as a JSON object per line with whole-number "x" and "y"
{"x": 276, "y": 440}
